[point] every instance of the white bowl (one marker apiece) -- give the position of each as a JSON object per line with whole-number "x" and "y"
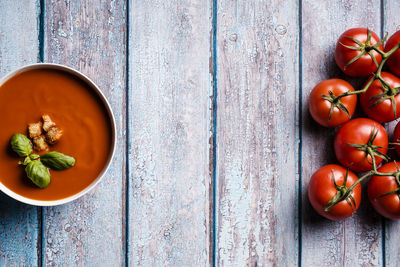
{"x": 110, "y": 114}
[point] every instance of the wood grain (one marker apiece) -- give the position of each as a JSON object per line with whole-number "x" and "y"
{"x": 392, "y": 239}
{"x": 90, "y": 36}
{"x": 170, "y": 90}
{"x": 19, "y": 45}
{"x": 262, "y": 112}
{"x": 257, "y": 141}
{"x": 355, "y": 241}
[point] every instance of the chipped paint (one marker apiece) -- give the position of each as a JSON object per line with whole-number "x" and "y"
{"x": 170, "y": 117}
{"x": 256, "y": 149}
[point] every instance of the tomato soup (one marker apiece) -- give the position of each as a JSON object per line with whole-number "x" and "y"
{"x": 76, "y": 109}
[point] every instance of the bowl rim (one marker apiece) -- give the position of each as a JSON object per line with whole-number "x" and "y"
{"x": 111, "y": 118}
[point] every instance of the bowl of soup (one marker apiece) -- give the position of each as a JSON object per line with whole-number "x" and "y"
{"x": 78, "y": 107}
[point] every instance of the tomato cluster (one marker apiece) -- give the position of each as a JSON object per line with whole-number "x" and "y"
{"x": 360, "y": 144}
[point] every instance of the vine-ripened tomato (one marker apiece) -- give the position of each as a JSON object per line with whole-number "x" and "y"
{"x": 393, "y": 61}
{"x": 396, "y": 138}
{"x": 364, "y": 65}
{"x": 365, "y": 133}
{"x": 373, "y": 107}
{"x": 320, "y": 108}
{"x": 386, "y": 205}
{"x": 322, "y": 188}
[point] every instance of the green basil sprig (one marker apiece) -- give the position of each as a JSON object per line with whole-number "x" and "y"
{"x": 21, "y": 145}
{"x": 38, "y": 173}
{"x": 37, "y": 166}
{"x": 57, "y": 161}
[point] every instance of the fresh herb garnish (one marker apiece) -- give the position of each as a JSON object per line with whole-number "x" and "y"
{"x": 37, "y": 166}
{"x": 21, "y": 145}
{"x": 38, "y": 173}
{"x": 57, "y": 161}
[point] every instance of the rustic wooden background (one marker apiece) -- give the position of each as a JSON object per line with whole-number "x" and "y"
{"x": 215, "y": 143}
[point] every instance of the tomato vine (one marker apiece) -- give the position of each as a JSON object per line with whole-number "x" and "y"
{"x": 389, "y": 91}
{"x": 345, "y": 191}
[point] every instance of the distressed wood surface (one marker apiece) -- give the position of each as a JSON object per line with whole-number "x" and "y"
{"x": 170, "y": 88}
{"x": 19, "y": 45}
{"x": 355, "y": 241}
{"x": 267, "y": 145}
{"x": 257, "y": 74}
{"x": 90, "y": 37}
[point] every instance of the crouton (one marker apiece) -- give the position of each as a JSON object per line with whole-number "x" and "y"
{"x": 47, "y": 123}
{"x": 35, "y": 129}
{"x": 39, "y": 143}
{"x": 53, "y": 135}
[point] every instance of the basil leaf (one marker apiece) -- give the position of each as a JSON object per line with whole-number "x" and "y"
{"x": 38, "y": 173}
{"x": 21, "y": 145}
{"x": 57, "y": 161}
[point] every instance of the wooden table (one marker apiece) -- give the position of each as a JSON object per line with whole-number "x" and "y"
{"x": 215, "y": 143}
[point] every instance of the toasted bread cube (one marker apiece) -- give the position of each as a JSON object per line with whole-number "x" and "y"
{"x": 35, "y": 129}
{"x": 47, "y": 123}
{"x": 39, "y": 143}
{"x": 53, "y": 135}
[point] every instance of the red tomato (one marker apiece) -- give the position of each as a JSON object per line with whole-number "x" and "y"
{"x": 363, "y": 66}
{"x": 393, "y": 61}
{"x": 322, "y": 188}
{"x": 383, "y": 111}
{"x": 320, "y": 108}
{"x": 360, "y": 132}
{"x": 396, "y": 137}
{"x": 388, "y": 205}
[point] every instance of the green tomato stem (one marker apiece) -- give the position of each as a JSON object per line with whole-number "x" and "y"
{"x": 343, "y": 192}
{"x": 376, "y": 75}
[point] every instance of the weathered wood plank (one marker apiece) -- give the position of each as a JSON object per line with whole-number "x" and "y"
{"x": 90, "y": 36}
{"x": 169, "y": 120}
{"x": 257, "y": 133}
{"x": 391, "y": 24}
{"x": 19, "y": 45}
{"x": 357, "y": 240}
